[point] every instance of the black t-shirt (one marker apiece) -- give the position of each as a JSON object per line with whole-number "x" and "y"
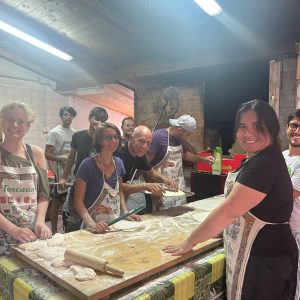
{"x": 267, "y": 172}
{"x": 131, "y": 163}
{"x": 82, "y": 142}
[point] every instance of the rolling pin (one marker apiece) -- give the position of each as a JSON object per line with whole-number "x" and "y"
{"x": 91, "y": 262}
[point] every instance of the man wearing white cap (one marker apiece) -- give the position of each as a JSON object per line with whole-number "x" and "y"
{"x": 167, "y": 152}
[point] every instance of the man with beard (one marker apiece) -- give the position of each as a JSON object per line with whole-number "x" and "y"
{"x": 58, "y": 147}
{"x": 292, "y": 159}
{"x": 127, "y": 127}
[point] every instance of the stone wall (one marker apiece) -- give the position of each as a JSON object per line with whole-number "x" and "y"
{"x": 149, "y": 104}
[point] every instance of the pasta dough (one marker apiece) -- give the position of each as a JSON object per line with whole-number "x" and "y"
{"x": 50, "y": 253}
{"x": 125, "y": 225}
{"x": 61, "y": 262}
{"x": 56, "y": 240}
{"x": 83, "y": 273}
{"x": 32, "y": 246}
{"x": 173, "y": 194}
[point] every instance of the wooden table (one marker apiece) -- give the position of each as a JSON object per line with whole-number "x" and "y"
{"x": 139, "y": 253}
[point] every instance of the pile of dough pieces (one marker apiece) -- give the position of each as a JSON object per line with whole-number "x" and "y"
{"x": 50, "y": 250}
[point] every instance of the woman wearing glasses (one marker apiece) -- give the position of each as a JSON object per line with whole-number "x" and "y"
{"x": 24, "y": 183}
{"x": 261, "y": 252}
{"x": 98, "y": 196}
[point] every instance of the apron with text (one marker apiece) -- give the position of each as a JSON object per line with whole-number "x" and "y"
{"x": 171, "y": 167}
{"x": 238, "y": 240}
{"x": 18, "y": 199}
{"x": 107, "y": 205}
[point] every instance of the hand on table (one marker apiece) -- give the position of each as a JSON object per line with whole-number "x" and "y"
{"x": 180, "y": 249}
{"x": 99, "y": 227}
{"x": 42, "y": 231}
{"x": 134, "y": 217}
{"x": 23, "y": 235}
{"x": 170, "y": 183}
{"x": 154, "y": 188}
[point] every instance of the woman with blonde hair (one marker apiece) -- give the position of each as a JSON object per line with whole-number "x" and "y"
{"x": 24, "y": 183}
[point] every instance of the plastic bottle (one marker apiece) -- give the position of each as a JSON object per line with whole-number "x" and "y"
{"x": 217, "y": 165}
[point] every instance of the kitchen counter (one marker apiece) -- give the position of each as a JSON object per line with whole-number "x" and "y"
{"x": 138, "y": 254}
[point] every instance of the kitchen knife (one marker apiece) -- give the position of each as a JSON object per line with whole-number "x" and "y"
{"x": 132, "y": 211}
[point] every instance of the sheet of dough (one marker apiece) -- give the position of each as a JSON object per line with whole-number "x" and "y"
{"x": 56, "y": 240}
{"x": 33, "y": 246}
{"x": 125, "y": 225}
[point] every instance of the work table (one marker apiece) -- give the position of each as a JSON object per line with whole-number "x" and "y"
{"x": 139, "y": 253}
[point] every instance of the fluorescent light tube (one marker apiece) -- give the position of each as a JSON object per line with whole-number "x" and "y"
{"x": 211, "y": 7}
{"x": 29, "y": 39}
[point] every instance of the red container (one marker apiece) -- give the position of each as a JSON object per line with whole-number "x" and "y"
{"x": 229, "y": 165}
{"x": 203, "y": 167}
{"x": 239, "y": 156}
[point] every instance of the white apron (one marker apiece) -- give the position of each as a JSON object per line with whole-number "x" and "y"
{"x": 107, "y": 205}
{"x": 171, "y": 167}
{"x": 238, "y": 240}
{"x": 18, "y": 199}
{"x": 135, "y": 200}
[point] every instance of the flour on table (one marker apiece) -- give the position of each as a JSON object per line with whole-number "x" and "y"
{"x": 200, "y": 216}
{"x": 56, "y": 240}
{"x": 127, "y": 225}
{"x": 50, "y": 253}
{"x": 32, "y": 246}
{"x": 83, "y": 273}
{"x": 62, "y": 262}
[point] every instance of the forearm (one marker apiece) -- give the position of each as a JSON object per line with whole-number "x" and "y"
{"x": 6, "y": 225}
{"x": 54, "y": 157}
{"x": 68, "y": 167}
{"x": 42, "y": 207}
{"x": 133, "y": 188}
{"x": 157, "y": 176}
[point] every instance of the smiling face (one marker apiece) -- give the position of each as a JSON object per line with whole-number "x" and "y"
{"x": 249, "y": 134}
{"x": 109, "y": 140}
{"x": 293, "y": 132}
{"x": 15, "y": 124}
{"x": 128, "y": 128}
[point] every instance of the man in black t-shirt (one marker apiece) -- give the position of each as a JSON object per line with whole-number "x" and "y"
{"x": 133, "y": 155}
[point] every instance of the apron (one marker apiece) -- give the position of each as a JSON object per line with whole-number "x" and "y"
{"x": 135, "y": 200}
{"x": 18, "y": 199}
{"x": 173, "y": 157}
{"x": 238, "y": 240}
{"x": 107, "y": 205}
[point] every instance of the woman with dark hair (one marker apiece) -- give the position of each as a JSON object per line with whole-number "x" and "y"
{"x": 97, "y": 194}
{"x": 261, "y": 252}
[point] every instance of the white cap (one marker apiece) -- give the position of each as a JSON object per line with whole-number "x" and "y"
{"x": 186, "y": 122}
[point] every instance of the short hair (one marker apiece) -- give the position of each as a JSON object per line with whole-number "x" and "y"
{"x": 99, "y": 113}
{"x": 99, "y": 134}
{"x": 69, "y": 109}
{"x": 127, "y": 118}
{"x": 293, "y": 115}
{"x": 266, "y": 116}
{"x": 30, "y": 114}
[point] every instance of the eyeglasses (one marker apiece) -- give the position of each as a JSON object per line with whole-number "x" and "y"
{"x": 293, "y": 126}
{"x": 109, "y": 138}
{"x": 18, "y": 122}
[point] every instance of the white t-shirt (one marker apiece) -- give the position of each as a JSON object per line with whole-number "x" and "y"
{"x": 60, "y": 138}
{"x": 293, "y": 164}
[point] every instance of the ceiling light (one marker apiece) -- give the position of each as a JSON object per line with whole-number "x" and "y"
{"x": 27, "y": 38}
{"x": 211, "y": 7}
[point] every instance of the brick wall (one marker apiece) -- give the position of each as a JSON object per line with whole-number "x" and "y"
{"x": 148, "y": 106}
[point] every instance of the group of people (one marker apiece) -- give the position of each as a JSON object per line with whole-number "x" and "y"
{"x": 260, "y": 214}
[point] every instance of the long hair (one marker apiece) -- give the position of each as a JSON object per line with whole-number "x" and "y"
{"x": 98, "y": 136}
{"x": 266, "y": 117}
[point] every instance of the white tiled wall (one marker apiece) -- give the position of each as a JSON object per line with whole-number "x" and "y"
{"x": 18, "y": 84}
